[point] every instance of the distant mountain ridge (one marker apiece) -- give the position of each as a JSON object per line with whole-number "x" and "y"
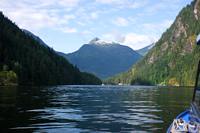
{"x": 36, "y": 38}
{"x": 174, "y": 58}
{"x": 145, "y": 50}
{"x": 102, "y": 58}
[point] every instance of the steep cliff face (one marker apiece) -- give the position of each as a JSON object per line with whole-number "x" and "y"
{"x": 173, "y": 60}
{"x": 197, "y": 10}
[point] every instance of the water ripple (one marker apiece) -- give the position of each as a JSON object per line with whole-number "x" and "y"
{"x": 97, "y": 109}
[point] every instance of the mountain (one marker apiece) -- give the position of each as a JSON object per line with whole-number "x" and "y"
{"x": 36, "y": 38}
{"x": 145, "y": 50}
{"x": 24, "y": 61}
{"x": 174, "y": 58}
{"x": 102, "y": 58}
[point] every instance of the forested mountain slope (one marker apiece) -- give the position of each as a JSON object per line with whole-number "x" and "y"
{"x": 174, "y": 58}
{"x": 24, "y": 61}
{"x": 103, "y": 59}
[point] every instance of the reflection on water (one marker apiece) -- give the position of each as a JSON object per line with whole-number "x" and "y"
{"x": 91, "y": 108}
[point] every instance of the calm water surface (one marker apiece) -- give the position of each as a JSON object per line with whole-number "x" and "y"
{"x": 90, "y": 108}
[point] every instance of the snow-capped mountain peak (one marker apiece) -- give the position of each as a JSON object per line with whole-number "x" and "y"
{"x": 97, "y": 41}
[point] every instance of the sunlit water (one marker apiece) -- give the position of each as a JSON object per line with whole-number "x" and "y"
{"x": 91, "y": 108}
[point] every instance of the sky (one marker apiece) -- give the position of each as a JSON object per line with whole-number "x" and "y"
{"x": 65, "y": 25}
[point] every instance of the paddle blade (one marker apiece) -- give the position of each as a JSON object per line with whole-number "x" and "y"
{"x": 198, "y": 40}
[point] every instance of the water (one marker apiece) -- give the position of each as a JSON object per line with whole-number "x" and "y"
{"x": 91, "y": 108}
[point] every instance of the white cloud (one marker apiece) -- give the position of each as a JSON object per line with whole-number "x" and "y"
{"x": 113, "y": 36}
{"x": 108, "y": 37}
{"x": 68, "y": 17}
{"x": 150, "y": 34}
{"x": 157, "y": 27}
{"x": 137, "y": 41}
{"x": 30, "y": 19}
{"x": 92, "y": 18}
{"x": 138, "y": 4}
{"x": 64, "y": 20}
{"x": 133, "y": 40}
{"x": 109, "y": 1}
{"x": 165, "y": 6}
{"x": 94, "y": 15}
{"x": 86, "y": 32}
{"x": 80, "y": 23}
{"x": 68, "y": 3}
{"x": 123, "y": 3}
{"x": 84, "y": 17}
{"x": 68, "y": 30}
{"x": 155, "y": 8}
{"x": 120, "y": 21}
{"x": 38, "y": 14}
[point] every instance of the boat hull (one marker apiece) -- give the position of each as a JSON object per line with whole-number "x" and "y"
{"x": 184, "y": 115}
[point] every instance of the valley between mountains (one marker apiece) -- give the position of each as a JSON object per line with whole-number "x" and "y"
{"x": 25, "y": 59}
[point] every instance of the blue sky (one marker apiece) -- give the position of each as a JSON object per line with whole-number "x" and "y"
{"x": 66, "y": 25}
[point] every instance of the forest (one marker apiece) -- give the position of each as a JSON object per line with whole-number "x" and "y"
{"x": 174, "y": 58}
{"x": 25, "y": 61}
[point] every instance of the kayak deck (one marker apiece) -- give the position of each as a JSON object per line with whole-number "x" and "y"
{"x": 184, "y": 123}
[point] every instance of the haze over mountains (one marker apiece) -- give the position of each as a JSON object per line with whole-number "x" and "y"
{"x": 145, "y": 50}
{"x": 102, "y": 58}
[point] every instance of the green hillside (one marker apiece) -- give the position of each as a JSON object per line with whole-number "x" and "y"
{"x": 24, "y": 61}
{"x": 173, "y": 60}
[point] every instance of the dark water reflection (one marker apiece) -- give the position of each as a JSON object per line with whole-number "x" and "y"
{"x": 90, "y": 108}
